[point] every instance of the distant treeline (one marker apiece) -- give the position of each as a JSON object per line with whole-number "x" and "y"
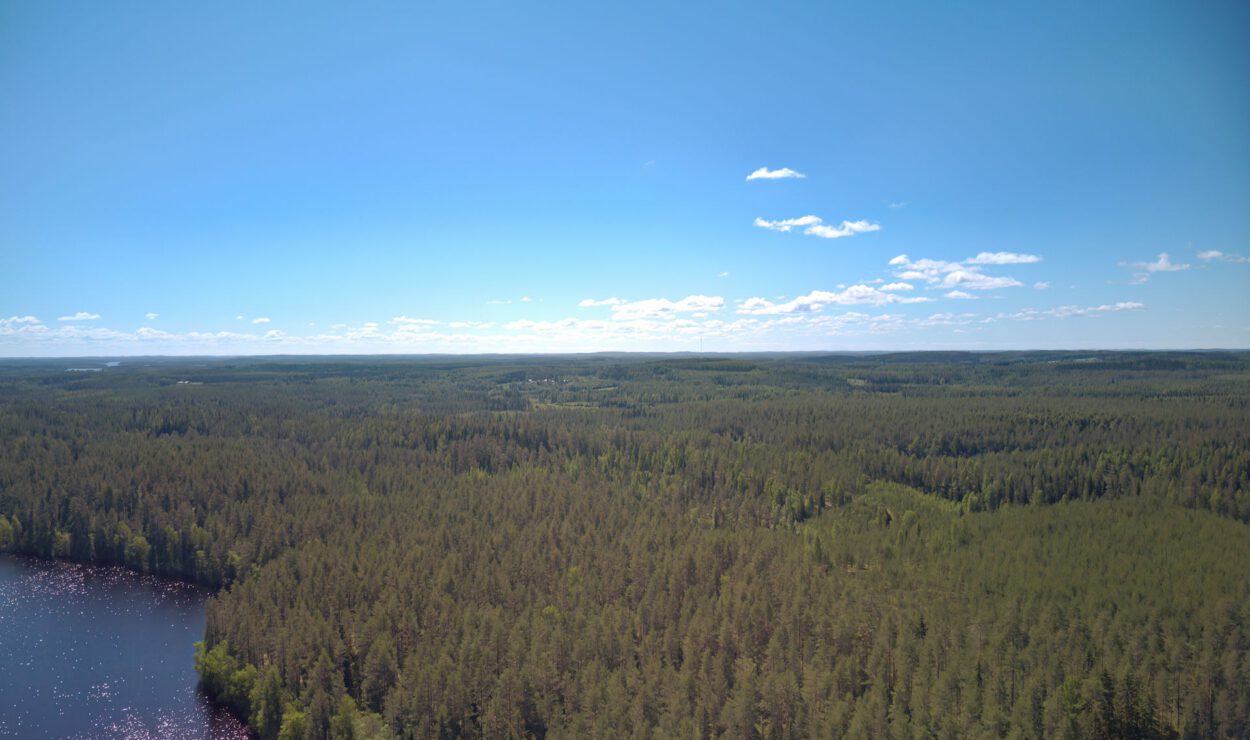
{"x": 1014, "y": 544}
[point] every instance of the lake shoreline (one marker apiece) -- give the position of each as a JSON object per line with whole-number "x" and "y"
{"x": 107, "y": 651}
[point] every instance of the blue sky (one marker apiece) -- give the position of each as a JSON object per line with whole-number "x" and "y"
{"x": 222, "y": 178}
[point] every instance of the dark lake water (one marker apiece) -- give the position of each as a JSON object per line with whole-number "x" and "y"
{"x": 93, "y": 652}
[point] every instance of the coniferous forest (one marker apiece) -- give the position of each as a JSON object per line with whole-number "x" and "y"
{"x": 1026, "y": 545}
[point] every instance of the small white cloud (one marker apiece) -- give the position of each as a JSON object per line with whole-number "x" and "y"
{"x": 261, "y": 320}
{"x": 815, "y": 226}
{"x": 1003, "y": 258}
{"x": 239, "y": 317}
{"x": 654, "y": 308}
{"x": 150, "y": 315}
{"x": 406, "y": 320}
{"x": 788, "y": 223}
{"x": 472, "y": 324}
{"x": 80, "y": 316}
{"x": 898, "y": 286}
{"x": 764, "y": 173}
{"x": 846, "y": 228}
{"x": 959, "y": 294}
{"x": 723, "y": 274}
{"x": 497, "y": 302}
{"x": 950, "y": 275}
{"x": 1215, "y": 254}
{"x": 526, "y": 299}
{"x": 900, "y": 204}
{"x": 1162, "y": 263}
{"x": 1064, "y": 312}
{"x": 591, "y": 302}
{"x": 977, "y": 281}
{"x": 7, "y": 325}
{"x": 1041, "y": 285}
{"x": 818, "y": 299}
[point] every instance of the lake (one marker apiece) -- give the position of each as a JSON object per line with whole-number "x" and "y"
{"x": 100, "y": 652}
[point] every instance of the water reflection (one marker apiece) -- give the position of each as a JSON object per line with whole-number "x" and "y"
{"x": 98, "y": 652}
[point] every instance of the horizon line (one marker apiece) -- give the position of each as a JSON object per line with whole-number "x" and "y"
{"x": 602, "y": 353}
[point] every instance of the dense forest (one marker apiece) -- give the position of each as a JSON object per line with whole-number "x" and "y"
{"x": 906, "y": 545}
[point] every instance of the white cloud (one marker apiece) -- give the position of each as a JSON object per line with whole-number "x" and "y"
{"x": 928, "y": 270}
{"x": 723, "y": 274}
{"x": 1002, "y": 258}
{"x": 815, "y": 226}
{"x": 946, "y": 319}
{"x": 855, "y": 323}
{"x": 1162, "y": 263}
{"x": 150, "y": 315}
{"x": 497, "y": 302}
{"x": 846, "y": 228}
{"x": 406, "y": 320}
{"x": 261, "y": 320}
{"x": 1215, "y": 254}
{"x": 764, "y": 173}
{"x": 899, "y": 204}
{"x": 960, "y": 295}
{"x": 898, "y": 286}
{"x": 788, "y": 223}
{"x": 976, "y": 280}
{"x": 1041, "y": 285}
{"x": 664, "y": 308}
{"x": 591, "y": 302}
{"x": 526, "y": 299}
{"x": 80, "y": 316}
{"x": 551, "y": 326}
{"x": 1064, "y": 312}
{"x": 806, "y": 322}
{"x": 949, "y": 275}
{"x": 818, "y": 299}
{"x": 22, "y": 327}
